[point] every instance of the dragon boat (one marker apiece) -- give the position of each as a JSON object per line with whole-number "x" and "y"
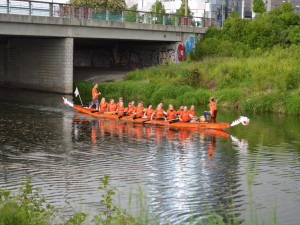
{"x": 176, "y": 124}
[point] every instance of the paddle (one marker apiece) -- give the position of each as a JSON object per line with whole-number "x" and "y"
{"x": 108, "y": 113}
{"x": 173, "y": 121}
{"x": 131, "y": 116}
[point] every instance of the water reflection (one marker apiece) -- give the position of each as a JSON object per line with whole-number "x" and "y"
{"x": 184, "y": 172}
{"x": 180, "y": 170}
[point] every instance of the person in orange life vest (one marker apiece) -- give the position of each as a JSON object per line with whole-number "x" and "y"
{"x": 126, "y": 110}
{"x": 171, "y": 113}
{"x": 159, "y": 112}
{"x": 112, "y": 106}
{"x": 120, "y": 100}
{"x": 133, "y": 106}
{"x": 185, "y": 116}
{"x": 139, "y": 110}
{"x": 180, "y": 111}
{"x": 192, "y": 113}
{"x": 120, "y": 109}
{"x": 103, "y": 105}
{"x": 213, "y": 111}
{"x": 149, "y": 111}
{"x": 95, "y": 95}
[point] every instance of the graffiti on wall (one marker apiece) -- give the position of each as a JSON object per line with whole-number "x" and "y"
{"x": 183, "y": 49}
{"x": 167, "y": 56}
{"x": 131, "y": 56}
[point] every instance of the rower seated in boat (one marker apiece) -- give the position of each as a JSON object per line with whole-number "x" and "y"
{"x": 185, "y": 116}
{"x": 120, "y": 100}
{"x": 133, "y": 107}
{"x": 127, "y": 110}
{"x": 180, "y": 111}
{"x": 192, "y": 113}
{"x": 112, "y": 106}
{"x": 120, "y": 109}
{"x": 139, "y": 110}
{"x": 159, "y": 112}
{"x": 171, "y": 113}
{"x": 103, "y": 105}
{"x": 149, "y": 111}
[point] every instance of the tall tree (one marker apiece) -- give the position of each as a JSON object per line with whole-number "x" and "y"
{"x": 158, "y": 7}
{"x": 181, "y": 10}
{"x": 113, "y": 4}
{"x": 258, "y": 6}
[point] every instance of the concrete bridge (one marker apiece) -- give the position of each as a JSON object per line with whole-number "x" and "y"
{"x": 40, "y": 43}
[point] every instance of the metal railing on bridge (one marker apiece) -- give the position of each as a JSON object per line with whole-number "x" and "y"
{"x": 52, "y": 9}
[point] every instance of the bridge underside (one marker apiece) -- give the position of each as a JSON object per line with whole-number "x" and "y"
{"x": 47, "y": 64}
{"x": 123, "y": 53}
{"x": 37, "y": 63}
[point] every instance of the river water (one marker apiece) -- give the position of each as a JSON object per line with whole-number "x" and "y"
{"x": 182, "y": 172}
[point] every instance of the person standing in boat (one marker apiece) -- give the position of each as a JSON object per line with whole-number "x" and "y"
{"x": 213, "y": 111}
{"x": 95, "y": 95}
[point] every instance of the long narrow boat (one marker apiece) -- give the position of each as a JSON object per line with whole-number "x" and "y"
{"x": 218, "y": 126}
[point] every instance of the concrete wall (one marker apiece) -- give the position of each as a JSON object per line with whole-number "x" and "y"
{"x": 86, "y": 28}
{"x": 40, "y": 64}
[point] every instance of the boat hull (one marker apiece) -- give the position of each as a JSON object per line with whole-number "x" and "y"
{"x": 216, "y": 126}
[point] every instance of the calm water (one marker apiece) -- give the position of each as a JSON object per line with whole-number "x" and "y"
{"x": 182, "y": 172}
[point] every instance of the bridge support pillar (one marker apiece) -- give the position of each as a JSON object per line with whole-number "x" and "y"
{"x": 40, "y": 64}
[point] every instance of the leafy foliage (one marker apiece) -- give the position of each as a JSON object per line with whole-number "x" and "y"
{"x": 158, "y": 9}
{"x": 27, "y": 207}
{"x": 259, "y": 6}
{"x": 241, "y": 37}
{"x": 181, "y": 10}
{"x": 112, "y": 4}
{"x": 130, "y": 16}
{"x": 112, "y": 214}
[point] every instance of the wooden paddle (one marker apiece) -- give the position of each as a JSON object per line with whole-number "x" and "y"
{"x": 108, "y": 113}
{"x": 173, "y": 121}
{"x": 131, "y": 116}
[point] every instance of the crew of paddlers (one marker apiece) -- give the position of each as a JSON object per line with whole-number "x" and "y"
{"x": 183, "y": 114}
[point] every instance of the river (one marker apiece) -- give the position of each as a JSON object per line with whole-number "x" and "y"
{"x": 182, "y": 172}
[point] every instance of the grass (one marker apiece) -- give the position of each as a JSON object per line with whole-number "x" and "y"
{"x": 268, "y": 81}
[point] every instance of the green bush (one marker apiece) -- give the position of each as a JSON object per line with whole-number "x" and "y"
{"x": 239, "y": 37}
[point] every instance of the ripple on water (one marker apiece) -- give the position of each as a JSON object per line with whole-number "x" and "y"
{"x": 182, "y": 172}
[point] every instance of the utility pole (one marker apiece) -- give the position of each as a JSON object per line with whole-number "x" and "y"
{"x": 243, "y": 9}
{"x": 186, "y": 7}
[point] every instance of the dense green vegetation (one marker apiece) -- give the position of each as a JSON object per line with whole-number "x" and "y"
{"x": 29, "y": 207}
{"x": 253, "y": 65}
{"x": 265, "y": 82}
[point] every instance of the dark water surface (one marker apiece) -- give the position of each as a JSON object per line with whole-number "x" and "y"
{"x": 182, "y": 172}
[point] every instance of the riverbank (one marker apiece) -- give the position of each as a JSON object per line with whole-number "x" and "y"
{"x": 266, "y": 81}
